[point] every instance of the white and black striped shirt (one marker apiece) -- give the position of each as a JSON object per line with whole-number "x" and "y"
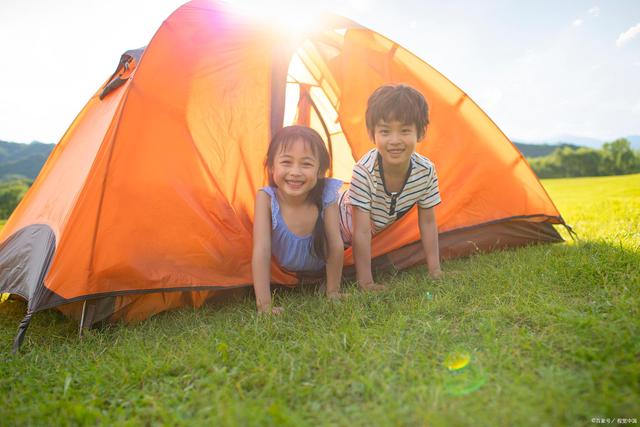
{"x": 367, "y": 191}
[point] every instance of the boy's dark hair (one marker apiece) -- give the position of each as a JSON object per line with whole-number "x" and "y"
{"x": 397, "y": 102}
{"x": 281, "y": 141}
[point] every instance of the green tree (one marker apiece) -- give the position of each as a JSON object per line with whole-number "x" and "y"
{"x": 619, "y": 158}
{"x": 615, "y": 158}
{"x": 578, "y": 162}
{"x": 11, "y": 192}
{"x": 546, "y": 167}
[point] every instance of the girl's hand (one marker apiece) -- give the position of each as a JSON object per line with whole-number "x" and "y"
{"x": 274, "y": 310}
{"x": 371, "y": 286}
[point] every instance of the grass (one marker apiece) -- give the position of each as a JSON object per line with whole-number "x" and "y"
{"x": 552, "y": 334}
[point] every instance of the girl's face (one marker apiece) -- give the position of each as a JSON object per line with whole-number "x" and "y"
{"x": 296, "y": 169}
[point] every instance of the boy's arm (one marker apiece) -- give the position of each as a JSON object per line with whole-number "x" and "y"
{"x": 261, "y": 257}
{"x": 335, "y": 250}
{"x": 362, "y": 249}
{"x": 429, "y": 239}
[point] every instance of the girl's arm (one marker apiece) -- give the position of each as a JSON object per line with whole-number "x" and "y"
{"x": 261, "y": 258}
{"x": 429, "y": 238}
{"x": 335, "y": 250}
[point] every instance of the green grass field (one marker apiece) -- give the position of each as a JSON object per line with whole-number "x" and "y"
{"x": 552, "y": 334}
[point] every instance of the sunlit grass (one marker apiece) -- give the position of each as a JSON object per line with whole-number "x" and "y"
{"x": 550, "y": 333}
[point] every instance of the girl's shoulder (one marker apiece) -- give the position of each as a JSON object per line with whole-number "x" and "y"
{"x": 275, "y": 206}
{"x": 269, "y": 190}
{"x": 331, "y": 191}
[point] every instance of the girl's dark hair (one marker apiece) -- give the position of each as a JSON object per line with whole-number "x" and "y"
{"x": 397, "y": 102}
{"x": 281, "y": 141}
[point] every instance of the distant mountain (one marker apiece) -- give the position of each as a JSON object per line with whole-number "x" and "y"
{"x": 23, "y": 159}
{"x": 577, "y": 140}
{"x": 566, "y": 139}
{"x": 539, "y": 150}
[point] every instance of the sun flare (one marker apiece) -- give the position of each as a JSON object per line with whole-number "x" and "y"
{"x": 294, "y": 18}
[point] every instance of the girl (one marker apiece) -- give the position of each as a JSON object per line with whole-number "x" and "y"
{"x": 296, "y": 216}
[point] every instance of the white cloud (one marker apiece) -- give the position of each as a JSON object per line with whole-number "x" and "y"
{"x": 628, "y": 35}
{"x": 593, "y": 12}
{"x": 413, "y": 24}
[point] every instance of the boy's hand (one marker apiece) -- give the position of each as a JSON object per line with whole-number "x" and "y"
{"x": 274, "y": 310}
{"x": 335, "y": 296}
{"x": 436, "y": 274}
{"x": 440, "y": 275}
{"x": 371, "y": 286}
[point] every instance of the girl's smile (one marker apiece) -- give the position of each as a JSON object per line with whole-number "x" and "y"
{"x": 295, "y": 169}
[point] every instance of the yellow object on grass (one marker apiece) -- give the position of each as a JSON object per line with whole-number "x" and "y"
{"x": 462, "y": 377}
{"x": 457, "y": 360}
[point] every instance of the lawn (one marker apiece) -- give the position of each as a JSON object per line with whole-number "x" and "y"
{"x": 544, "y": 335}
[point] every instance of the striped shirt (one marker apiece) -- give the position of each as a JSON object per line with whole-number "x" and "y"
{"x": 367, "y": 191}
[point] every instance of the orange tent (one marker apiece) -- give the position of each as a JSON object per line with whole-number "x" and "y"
{"x": 147, "y": 201}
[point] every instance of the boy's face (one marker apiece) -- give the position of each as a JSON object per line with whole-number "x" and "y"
{"x": 396, "y": 141}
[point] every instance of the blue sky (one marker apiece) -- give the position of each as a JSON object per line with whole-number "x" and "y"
{"x": 539, "y": 69}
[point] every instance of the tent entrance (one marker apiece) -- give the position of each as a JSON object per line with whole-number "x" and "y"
{"x": 311, "y": 99}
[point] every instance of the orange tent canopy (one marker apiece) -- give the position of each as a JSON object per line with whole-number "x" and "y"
{"x": 151, "y": 190}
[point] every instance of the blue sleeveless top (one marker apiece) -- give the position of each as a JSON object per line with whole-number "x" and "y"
{"x": 294, "y": 252}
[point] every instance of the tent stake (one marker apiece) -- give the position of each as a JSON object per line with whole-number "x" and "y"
{"x": 84, "y": 312}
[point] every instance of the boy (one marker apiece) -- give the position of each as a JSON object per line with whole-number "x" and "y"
{"x": 390, "y": 179}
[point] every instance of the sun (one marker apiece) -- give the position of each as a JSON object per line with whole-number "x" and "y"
{"x": 294, "y": 18}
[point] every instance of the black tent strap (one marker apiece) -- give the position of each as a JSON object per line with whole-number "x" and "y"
{"x": 22, "y": 330}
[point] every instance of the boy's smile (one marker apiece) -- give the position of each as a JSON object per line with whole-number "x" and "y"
{"x": 396, "y": 142}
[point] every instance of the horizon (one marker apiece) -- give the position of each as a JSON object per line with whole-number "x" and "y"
{"x": 540, "y": 71}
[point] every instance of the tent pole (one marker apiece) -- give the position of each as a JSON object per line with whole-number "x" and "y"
{"x": 84, "y": 312}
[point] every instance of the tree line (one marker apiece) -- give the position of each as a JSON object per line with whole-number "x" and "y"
{"x": 614, "y": 158}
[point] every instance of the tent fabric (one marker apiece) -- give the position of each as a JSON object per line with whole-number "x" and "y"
{"x": 146, "y": 203}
